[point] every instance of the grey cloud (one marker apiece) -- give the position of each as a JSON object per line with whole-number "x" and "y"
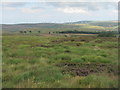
{"x": 32, "y": 5}
{"x": 93, "y": 6}
{"x": 14, "y": 4}
{"x": 85, "y": 5}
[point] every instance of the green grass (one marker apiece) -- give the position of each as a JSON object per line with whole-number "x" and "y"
{"x": 98, "y": 81}
{"x": 28, "y": 64}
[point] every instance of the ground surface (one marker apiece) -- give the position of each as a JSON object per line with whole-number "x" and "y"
{"x": 59, "y": 61}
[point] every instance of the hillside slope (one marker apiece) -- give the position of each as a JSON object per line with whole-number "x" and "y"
{"x": 51, "y": 27}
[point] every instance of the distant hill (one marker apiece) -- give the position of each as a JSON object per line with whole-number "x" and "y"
{"x": 79, "y": 22}
{"x": 97, "y": 23}
{"x": 105, "y": 23}
{"x": 52, "y": 27}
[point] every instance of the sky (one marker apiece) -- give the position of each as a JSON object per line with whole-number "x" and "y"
{"x": 57, "y": 12}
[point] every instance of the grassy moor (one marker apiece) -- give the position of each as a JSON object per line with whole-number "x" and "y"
{"x": 46, "y": 58}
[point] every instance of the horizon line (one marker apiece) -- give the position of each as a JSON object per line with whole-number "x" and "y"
{"x": 56, "y": 22}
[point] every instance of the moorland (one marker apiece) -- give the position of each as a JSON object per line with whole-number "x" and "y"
{"x": 40, "y": 56}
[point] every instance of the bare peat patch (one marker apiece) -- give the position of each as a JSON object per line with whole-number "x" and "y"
{"x": 44, "y": 46}
{"x": 86, "y": 69}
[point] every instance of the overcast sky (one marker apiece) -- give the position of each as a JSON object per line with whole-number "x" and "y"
{"x": 57, "y": 12}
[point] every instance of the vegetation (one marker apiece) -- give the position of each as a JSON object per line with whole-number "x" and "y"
{"x": 81, "y": 54}
{"x": 107, "y": 34}
{"x": 31, "y": 61}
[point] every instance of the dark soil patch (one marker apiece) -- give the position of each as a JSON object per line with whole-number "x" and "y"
{"x": 82, "y": 39}
{"x": 85, "y": 39}
{"x": 45, "y": 46}
{"x": 60, "y": 41}
{"x": 86, "y": 69}
{"x": 67, "y": 51}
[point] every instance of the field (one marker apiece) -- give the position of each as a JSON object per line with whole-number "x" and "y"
{"x": 59, "y": 61}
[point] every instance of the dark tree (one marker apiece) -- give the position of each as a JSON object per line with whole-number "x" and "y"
{"x": 56, "y": 32}
{"x": 30, "y": 31}
{"x": 38, "y": 31}
{"x": 25, "y": 32}
{"x": 21, "y": 31}
{"x": 49, "y": 32}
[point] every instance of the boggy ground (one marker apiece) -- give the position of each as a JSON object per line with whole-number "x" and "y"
{"x": 55, "y": 61}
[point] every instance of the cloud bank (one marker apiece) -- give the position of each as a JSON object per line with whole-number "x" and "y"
{"x": 59, "y": 11}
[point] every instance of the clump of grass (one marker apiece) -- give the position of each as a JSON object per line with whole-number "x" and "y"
{"x": 77, "y": 60}
{"x": 14, "y": 61}
{"x": 98, "y": 81}
{"x": 47, "y": 74}
{"x": 23, "y": 46}
{"x": 23, "y": 76}
{"x": 94, "y": 58}
{"x": 42, "y": 74}
{"x": 33, "y": 61}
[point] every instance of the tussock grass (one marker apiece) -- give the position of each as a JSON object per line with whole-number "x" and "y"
{"x": 28, "y": 64}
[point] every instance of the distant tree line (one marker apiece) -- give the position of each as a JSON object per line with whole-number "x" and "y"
{"x": 100, "y": 33}
{"x": 27, "y": 31}
{"x": 78, "y": 32}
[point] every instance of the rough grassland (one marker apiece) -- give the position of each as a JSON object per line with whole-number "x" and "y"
{"x": 58, "y": 61}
